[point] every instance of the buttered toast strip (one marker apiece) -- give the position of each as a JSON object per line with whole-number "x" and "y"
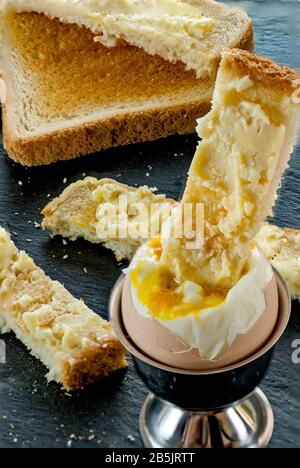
{"x": 248, "y": 138}
{"x": 80, "y": 209}
{"x": 282, "y": 248}
{"x": 72, "y": 215}
{"x": 76, "y": 345}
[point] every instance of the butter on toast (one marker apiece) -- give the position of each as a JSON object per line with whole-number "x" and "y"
{"x": 73, "y": 215}
{"x": 247, "y": 140}
{"x": 67, "y": 94}
{"x": 75, "y": 344}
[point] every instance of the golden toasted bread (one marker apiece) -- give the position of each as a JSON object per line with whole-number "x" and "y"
{"x": 68, "y": 94}
{"x": 73, "y": 215}
{"x": 76, "y": 345}
{"x": 282, "y": 248}
{"x": 78, "y": 211}
{"x": 247, "y": 140}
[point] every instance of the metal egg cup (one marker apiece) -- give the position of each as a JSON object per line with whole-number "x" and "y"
{"x": 212, "y": 409}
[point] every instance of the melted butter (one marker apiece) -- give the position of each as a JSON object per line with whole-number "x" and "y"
{"x": 88, "y": 220}
{"x": 152, "y": 8}
{"x": 156, "y": 247}
{"x": 234, "y": 98}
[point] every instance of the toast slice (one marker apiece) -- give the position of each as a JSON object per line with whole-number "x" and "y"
{"x": 78, "y": 211}
{"x": 191, "y": 32}
{"x": 76, "y": 345}
{"x": 282, "y": 248}
{"x": 67, "y": 94}
{"x": 248, "y": 138}
{"x": 77, "y": 203}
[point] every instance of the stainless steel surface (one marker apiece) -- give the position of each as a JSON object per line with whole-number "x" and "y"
{"x": 247, "y": 424}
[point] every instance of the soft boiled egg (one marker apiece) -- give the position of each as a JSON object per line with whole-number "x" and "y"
{"x": 188, "y": 328}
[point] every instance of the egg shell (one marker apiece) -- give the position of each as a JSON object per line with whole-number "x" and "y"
{"x": 160, "y": 344}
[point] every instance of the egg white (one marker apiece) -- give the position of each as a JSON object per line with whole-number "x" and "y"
{"x": 213, "y": 330}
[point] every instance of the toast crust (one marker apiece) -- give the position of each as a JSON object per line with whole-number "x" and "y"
{"x": 93, "y": 365}
{"x": 262, "y": 70}
{"x": 84, "y": 139}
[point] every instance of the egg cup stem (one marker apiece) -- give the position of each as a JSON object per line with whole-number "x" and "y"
{"x": 246, "y": 424}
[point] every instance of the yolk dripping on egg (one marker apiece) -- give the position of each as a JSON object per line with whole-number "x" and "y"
{"x": 158, "y": 291}
{"x": 156, "y": 247}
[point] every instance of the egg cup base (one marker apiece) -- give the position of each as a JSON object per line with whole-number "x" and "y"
{"x": 245, "y": 424}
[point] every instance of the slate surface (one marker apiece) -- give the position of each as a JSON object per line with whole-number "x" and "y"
{"x": 33, "y": 414}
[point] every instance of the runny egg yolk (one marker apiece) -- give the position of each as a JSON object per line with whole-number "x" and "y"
{"x": 156, "y": 247}
{"x": 158, "y": 291}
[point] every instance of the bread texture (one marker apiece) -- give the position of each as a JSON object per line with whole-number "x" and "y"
{"x": 282, "y": 248}
{"x": 191, "y": 32}
{"x": 76, "y": 345}
{"x": 73, "y": 215}
{"x": 67, "y": 95}
{"x": 78, "y": 211}
{"x": 247, "y": 140}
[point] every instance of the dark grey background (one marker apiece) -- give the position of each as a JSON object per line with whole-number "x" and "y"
{"x": 34, "y": 414}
